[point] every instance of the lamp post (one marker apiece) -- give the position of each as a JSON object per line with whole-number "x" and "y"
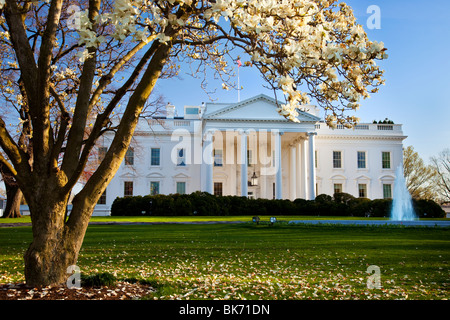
{"x": 254, "y": 179}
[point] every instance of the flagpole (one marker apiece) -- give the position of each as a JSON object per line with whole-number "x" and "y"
{"x": 239, "y": 88}
{"x": 239, "y": 85}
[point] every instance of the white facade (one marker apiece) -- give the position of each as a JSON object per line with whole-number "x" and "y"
{"x": 218, "y": 147}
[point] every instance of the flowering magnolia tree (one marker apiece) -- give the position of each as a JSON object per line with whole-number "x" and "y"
{"x": 94, "y": 56}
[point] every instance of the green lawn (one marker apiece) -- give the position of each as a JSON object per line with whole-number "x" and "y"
{"x": 236, "y": 261}
{"x": 26, "y": 219}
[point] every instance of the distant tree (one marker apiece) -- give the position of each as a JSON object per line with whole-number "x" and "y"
{"x": 441, "y": 164}
{"x": 13, "y": 194}
{"x": 419, "y": 177}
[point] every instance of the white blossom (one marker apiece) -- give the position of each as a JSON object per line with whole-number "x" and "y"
{"x": 290, "y": 41}
{"x": 163, "y": 38}
{"x": 83, "y": 55}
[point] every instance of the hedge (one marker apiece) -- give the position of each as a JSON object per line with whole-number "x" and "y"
{"x": 205, "y": 204}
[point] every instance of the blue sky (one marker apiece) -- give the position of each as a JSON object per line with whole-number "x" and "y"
{"x": 417, "y": 73}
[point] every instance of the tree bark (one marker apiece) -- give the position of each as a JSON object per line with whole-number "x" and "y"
{"x": 13, "y": 193}
{"x": 51, "y": 250}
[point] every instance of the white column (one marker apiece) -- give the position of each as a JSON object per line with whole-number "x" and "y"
{"x": 244, "y": 166}
{"x": 278, "y": 181}
{"x": 208, "y": 161}
{"x": 312, "y": 167}
{"x": 298, "y": 170}
{"x": 264, "y": 162}
{"x": 231, "y": 163}
{"x": 292, "y": 173}
{"x": 304, "y": 170}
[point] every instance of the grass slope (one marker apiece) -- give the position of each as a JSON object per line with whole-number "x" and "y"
{"x": 246, "y": 261}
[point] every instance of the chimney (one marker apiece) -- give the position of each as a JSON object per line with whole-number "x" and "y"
{"x": 202, "y": 110}
{"x": 170, "y": 111}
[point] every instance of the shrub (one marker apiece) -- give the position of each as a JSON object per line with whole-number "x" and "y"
{"x": 305, "y": 207}
{"x": 126, "y": 206}
{"x": 342, "y": 197}
{"x": 163, "y": 205}
{"x": 182, "y": 206}
{"x": 360, "y": 207}
{"x": 381, "y": 207}
{"x": 326, "y": 206}
{"x": 428, "y": 209}
{"x": 98, "y": 280}
{"x": 260, "y": 207}
{"x": 205, "y": 204}
{"x": 324, "y": 199}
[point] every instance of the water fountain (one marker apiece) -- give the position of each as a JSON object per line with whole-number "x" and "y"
{"x": 402, "y": 211}
{"x": 402, "y": 206}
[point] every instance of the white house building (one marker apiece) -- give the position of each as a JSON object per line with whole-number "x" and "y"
{"x": 248, "y": 149}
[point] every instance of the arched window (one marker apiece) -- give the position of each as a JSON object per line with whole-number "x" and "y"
{"x": 181, "y": 158}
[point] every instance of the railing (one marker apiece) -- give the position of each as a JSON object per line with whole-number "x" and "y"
{"x": 156, "y": 122}
{"x": 371, "y": 127}
{"x": 169, "y": 124}
{"x": 385, "y": 127}
{"x": 181, "y": 123}
{"x": 341, "y": 127}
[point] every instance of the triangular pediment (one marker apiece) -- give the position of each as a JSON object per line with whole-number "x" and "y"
{"x": 181, "y": 176}
{"x": 261, "y": 107}
{"x": 362, "y": 177}
{"x": 128, "y": 175}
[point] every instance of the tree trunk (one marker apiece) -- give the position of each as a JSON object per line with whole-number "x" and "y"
{"x": 13, "y": 200}
{"x": 55, "y": 244}
{"x": 13, "y": 193}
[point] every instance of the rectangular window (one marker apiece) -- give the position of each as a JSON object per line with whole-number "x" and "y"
{"x": 181, "y": 157}
{"x": 387, "y": 191}
{"x": 386, "y": 160}
{"x": 155, "y": 156}
{"x": 362, "y": 190}
{"x": 361, "y": 160}
{"x": 338, "y": 188}
{"x": 337, "y": 159}
{"x": 217, "y": 188}
{"x": 218, "y": 157}
{"x": 102, "y": 199}
{"x": 249, "y": 158}
{"x": 154, "y": 188}
{"x": 181, "y": 187}
{"x": 128, "y": 189}
{"x": 129, "y": 157}
{"x": 191, "y": 110}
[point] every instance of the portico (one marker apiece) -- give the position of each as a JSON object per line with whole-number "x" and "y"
{"x": 251, "y": 139}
